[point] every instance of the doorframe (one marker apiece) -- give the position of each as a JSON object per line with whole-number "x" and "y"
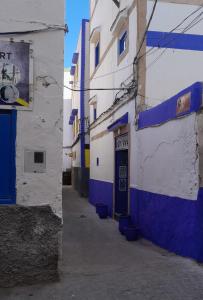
{"x": 119, "y": 132}
{"x": 12, "y": 199}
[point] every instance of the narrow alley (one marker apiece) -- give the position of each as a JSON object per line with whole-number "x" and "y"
{"x": 98, "y": 263}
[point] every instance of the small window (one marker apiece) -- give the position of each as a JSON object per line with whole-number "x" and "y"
{"x": 97, "y": 54}
{"x": 97, "y": 161}
{"x": 95, "y": 113}
{"x": 122, "y": 43}
{"x": 39, "y": 157}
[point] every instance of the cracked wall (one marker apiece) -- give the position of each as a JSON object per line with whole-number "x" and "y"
{"x": 167, "y": 160}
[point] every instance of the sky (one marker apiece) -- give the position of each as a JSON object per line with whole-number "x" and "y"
{"x": 75, "y": 12}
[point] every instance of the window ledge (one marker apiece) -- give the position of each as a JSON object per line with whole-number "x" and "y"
{"x": 95, "y": 35}
{"x": 119, "y": 22}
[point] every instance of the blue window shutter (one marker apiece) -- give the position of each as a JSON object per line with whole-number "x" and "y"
{"x": 97, "y": 53}
{"x": 122, "y": 43}
{"x": 95, "y": 113}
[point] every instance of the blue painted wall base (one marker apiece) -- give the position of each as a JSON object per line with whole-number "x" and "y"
{"x": 172, "y": 223}
{"x": 101, "y": 192}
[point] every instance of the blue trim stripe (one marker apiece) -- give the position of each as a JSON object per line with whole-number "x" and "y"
{"x": 170, "y": 222}
{"x": 101, "y": 192}
{"x": 175, "y": 40}
{"x": 166, "y": 111}
{"x": 118, "y": 123}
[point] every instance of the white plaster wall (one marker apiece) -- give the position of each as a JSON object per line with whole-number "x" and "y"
{"x": 41, "y": 128}
{"x": 67, "y": 129}
{"x": 109, "y": 74}
{"x": 165, "y": 159}
{"x": 103, "y": 147}
{"x": 171, "y": 71}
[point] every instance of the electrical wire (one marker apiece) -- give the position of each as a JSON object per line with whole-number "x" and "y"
{"x": 107, "y": 74}
{"x": 188, "y": 27}
{"x": 172, "y": 30}
{"x": 146, "y": 30}
{"x": 97, "y": 89}
{"x": 49, "y": 28}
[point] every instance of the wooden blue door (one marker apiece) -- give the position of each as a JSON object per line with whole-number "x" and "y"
{"x": 7, "y": 156}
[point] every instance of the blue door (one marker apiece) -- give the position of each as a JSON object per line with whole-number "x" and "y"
{"x": 7, "y": 156}
{"x": 121, "y": 183}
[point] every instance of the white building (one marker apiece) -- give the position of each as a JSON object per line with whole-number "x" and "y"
{"x": 67, "y": 129}
{"x": 148, "y": 163}
{"x": 80, "y": 112}
{"x": 31, "y": 83}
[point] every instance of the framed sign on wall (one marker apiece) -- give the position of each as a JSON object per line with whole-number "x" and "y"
{"x": 15, "y": 75}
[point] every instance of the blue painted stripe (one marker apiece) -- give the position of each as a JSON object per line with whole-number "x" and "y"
{"x": 170, "y": 222}
{"x": 82, "y": 93}
{"x": 175, "y": 40}
{"x": 166, "y": 111}
{"x": 101, "y": 192}
{"x": 118, "y": 123}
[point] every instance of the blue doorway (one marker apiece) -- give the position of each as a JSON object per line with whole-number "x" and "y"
{"x": 7, "y": 156}
{"x": 121, "y": 176}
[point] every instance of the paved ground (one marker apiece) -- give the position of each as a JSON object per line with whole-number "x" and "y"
{"x": 98, "y": 264}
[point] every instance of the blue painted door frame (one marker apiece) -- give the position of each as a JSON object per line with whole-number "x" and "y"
{"x": 121, "y": 182}
{"x": 7, "y": 156}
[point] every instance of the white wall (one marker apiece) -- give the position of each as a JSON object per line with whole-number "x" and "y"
{"x": 41, "y": 128}
{"x": 110, "y": 74}
{"x": 175, "y": 69}
{"x": 67, "y": 129}
{"x": 166, "y": 160}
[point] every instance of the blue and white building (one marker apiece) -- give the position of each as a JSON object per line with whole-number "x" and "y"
{"x": 146, "y": 152}
{"x": 79, "y": 117}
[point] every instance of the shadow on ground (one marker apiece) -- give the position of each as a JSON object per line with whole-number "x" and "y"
{"x": 99, "y": 264}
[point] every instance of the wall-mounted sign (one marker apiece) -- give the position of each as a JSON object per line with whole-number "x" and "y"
{"x": 122, "y": 142}
{"x": 14, "y": 74}
{"x": 183, "y": 104}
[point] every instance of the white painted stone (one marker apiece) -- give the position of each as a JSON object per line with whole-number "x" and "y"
{"x": 166, "y": 159}
{"x": 41, "y": 128}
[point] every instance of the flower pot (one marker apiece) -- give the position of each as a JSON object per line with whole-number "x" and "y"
{"x": 102, "y": 210}
{"x": 124, "y": 221}
{"x": 131, "y": 233}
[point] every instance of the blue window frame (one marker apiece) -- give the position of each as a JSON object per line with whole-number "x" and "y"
{"x": 122, "y": 43}
{"x": 97, "y": 54}
{"x": 95, "y": 113}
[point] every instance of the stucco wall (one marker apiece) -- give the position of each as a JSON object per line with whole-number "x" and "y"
{"x": 166, "y": 159}
{"x": 181, "y": 68}
{"x": 67, "y": 129}
{"x": 109, "y": 74}
{"x": 41, "y": 128}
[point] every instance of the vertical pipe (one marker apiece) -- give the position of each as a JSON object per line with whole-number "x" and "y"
{"x": 141, "y": 64}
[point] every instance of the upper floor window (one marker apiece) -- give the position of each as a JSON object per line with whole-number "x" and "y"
{"x": 97, "y": 54}
{"x": 95, "y": 112}
{"x": 122, "y": 43}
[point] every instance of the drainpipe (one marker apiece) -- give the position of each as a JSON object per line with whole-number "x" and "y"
{"x": 141, "y": 64}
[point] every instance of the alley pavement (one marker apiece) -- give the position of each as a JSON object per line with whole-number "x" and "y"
{"x": 99, "y": 264}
